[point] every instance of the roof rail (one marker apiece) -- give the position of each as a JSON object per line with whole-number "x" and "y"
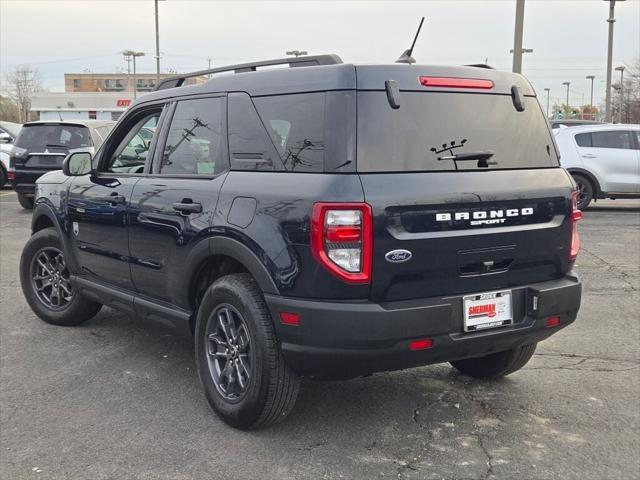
{"x": 305, "y": 61}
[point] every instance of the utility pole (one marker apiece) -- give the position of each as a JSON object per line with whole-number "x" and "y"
{"x": 127, "y": 57}
{"x": 591, "y": 77}
{"x": 548, "y": 90}
{"x": 157, "y": 45}
{"x": 129, "y": 54}
{"x": 567, "y": 84}
{"x": 621, "y": 70}
{"x": 611, "y": 20}
{"x": 517, "y": 39}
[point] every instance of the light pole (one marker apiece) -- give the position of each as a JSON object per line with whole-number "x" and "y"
{"x": 296, "y": 53}
{"x": 621, "y": 70}
{"x": 132, "y": 54}
{"x": 611, "y": 20}
{"x": 567, "y": 84}
{"x": 548, "y": 90}
{"x": 517, "y": 38}
{"x": 157, "y": 44}
{"x": 592, "y": 78}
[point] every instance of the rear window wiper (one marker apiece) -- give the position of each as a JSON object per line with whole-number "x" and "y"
{"x": 481, "y": 157}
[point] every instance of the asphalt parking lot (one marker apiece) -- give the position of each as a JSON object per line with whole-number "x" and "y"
{"x": 118, "y": 398}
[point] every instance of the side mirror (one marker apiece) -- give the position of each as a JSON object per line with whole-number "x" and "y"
{"x": 77, "y": 164}
{"x": 5, "y": 138}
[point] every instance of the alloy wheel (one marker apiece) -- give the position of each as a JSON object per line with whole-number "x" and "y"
{"x": 50, "y": 278}
{"x": 229, "y": 353}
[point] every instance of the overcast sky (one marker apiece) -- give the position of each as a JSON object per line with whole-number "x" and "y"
{"x": 569, "y": 38}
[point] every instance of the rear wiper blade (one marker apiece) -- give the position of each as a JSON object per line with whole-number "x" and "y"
{"x": 481, "y": 157}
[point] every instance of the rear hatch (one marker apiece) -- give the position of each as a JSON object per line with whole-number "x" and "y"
{"x": 43, "y": 146}
{"x": 464, "y": 182}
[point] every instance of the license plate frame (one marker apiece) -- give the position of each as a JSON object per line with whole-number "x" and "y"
{"x": 487, "y": 310}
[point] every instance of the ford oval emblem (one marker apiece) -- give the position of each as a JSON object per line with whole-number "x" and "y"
{"x": 398, "y": 256}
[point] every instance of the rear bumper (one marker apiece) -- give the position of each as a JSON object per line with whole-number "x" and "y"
{"x": 347, "y": 339}
{"x": 25, "y": 180}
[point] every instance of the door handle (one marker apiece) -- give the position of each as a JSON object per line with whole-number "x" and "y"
{"x": 187, "y": 207}
{"x": 113, "y": 199}
{"x": 588, "y": 155}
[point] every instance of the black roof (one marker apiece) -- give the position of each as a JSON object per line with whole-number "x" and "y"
{"x": 328, "y": 74}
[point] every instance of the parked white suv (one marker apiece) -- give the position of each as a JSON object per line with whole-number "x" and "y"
{"x": 604, "y": 160}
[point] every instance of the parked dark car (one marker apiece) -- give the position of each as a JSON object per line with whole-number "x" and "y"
{"x": 329, "y": 220}
{"x": 41, "y": 146}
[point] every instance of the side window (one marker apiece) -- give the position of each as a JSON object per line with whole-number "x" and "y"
{"x": 583, "y": 139}
{"x": 296, "y": 126}
{"x": 194, "y": 142}
{"x": 611, "y": 139}
{"x": 637, "y": 132}
{"x": 250, "y": 147}
{"x": 133, "y": 150}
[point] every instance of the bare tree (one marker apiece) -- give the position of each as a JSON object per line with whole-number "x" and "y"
{"x": 21, "y": 84}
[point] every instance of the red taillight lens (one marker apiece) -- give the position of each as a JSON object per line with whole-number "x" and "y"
{"x": 420, "y": 344}
{"x": 575, "y": 237}
{"x": 453, "y": 82}
{"x": 341, "y": 239}
{"x": 11, "y": 175}
{"x": 288, "y": 318}
{"x": 552, "y": 322}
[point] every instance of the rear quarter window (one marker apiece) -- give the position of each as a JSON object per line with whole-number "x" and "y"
{"x": 583, "y": 139}
{"x": 295, "y": 124}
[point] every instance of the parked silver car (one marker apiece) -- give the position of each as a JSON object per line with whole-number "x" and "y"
{"x": 604, "y": 160}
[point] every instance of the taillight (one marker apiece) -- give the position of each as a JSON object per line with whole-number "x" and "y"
{"x": 341, "y": 239}
{"x": 454, "y": 82}
{"x": 575, "y": 216}
{"x": 11, "y": 175}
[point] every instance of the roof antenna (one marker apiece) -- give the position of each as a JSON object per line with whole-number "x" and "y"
{"x": 406, "y": 56}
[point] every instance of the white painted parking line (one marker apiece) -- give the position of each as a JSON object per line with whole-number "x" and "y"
{"x": 4, "y": 194}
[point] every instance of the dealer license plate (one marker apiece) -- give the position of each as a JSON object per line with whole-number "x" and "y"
{"x": 487, "y": 310}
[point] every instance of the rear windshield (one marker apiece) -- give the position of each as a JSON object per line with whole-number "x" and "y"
{"x": 40, "y": 137}
{"x": 430, "y": 128}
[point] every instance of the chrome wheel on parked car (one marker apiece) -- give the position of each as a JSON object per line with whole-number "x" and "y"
{"x": 229, "y": 352}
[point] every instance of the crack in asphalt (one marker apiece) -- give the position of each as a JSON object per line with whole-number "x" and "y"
{"x": 485, "y": 451}
{"x": 614, "y": 268}
{"x": 583, "y": 359}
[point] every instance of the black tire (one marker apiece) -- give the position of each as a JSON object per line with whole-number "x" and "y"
{"x": 73, "y": 309}
{"x": 25, "y": 201}
{"x": 272, "y": 387}
{"x": 585, "y": 189}
{"x": 3, "y": 177}
{"x": 496, "y": 365}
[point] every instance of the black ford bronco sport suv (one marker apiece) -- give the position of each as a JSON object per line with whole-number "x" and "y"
{"x": 326, "y": 220}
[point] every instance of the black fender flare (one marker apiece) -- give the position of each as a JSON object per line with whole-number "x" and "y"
{"x": 585, "y": 173}
{"x": 43, "y": 209}
{"x": 244, "y": 255}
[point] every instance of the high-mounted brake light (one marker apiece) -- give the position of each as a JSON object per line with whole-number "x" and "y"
{"x": 575, "y": 237}
{"x": 341, "y": 239}
{"x": 455, "y": 82}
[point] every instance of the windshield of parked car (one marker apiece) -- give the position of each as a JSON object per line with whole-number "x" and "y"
{"x": 43, "y": 136}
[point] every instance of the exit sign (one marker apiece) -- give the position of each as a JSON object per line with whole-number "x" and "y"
{"x": 123, "y": 102}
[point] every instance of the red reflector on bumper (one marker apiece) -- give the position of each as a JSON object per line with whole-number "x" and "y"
{"x": 11, "y": 175}
{"x": 288, "y": 318}
{"x": 420, "y": 344}
{"x": 552, "y": 322}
